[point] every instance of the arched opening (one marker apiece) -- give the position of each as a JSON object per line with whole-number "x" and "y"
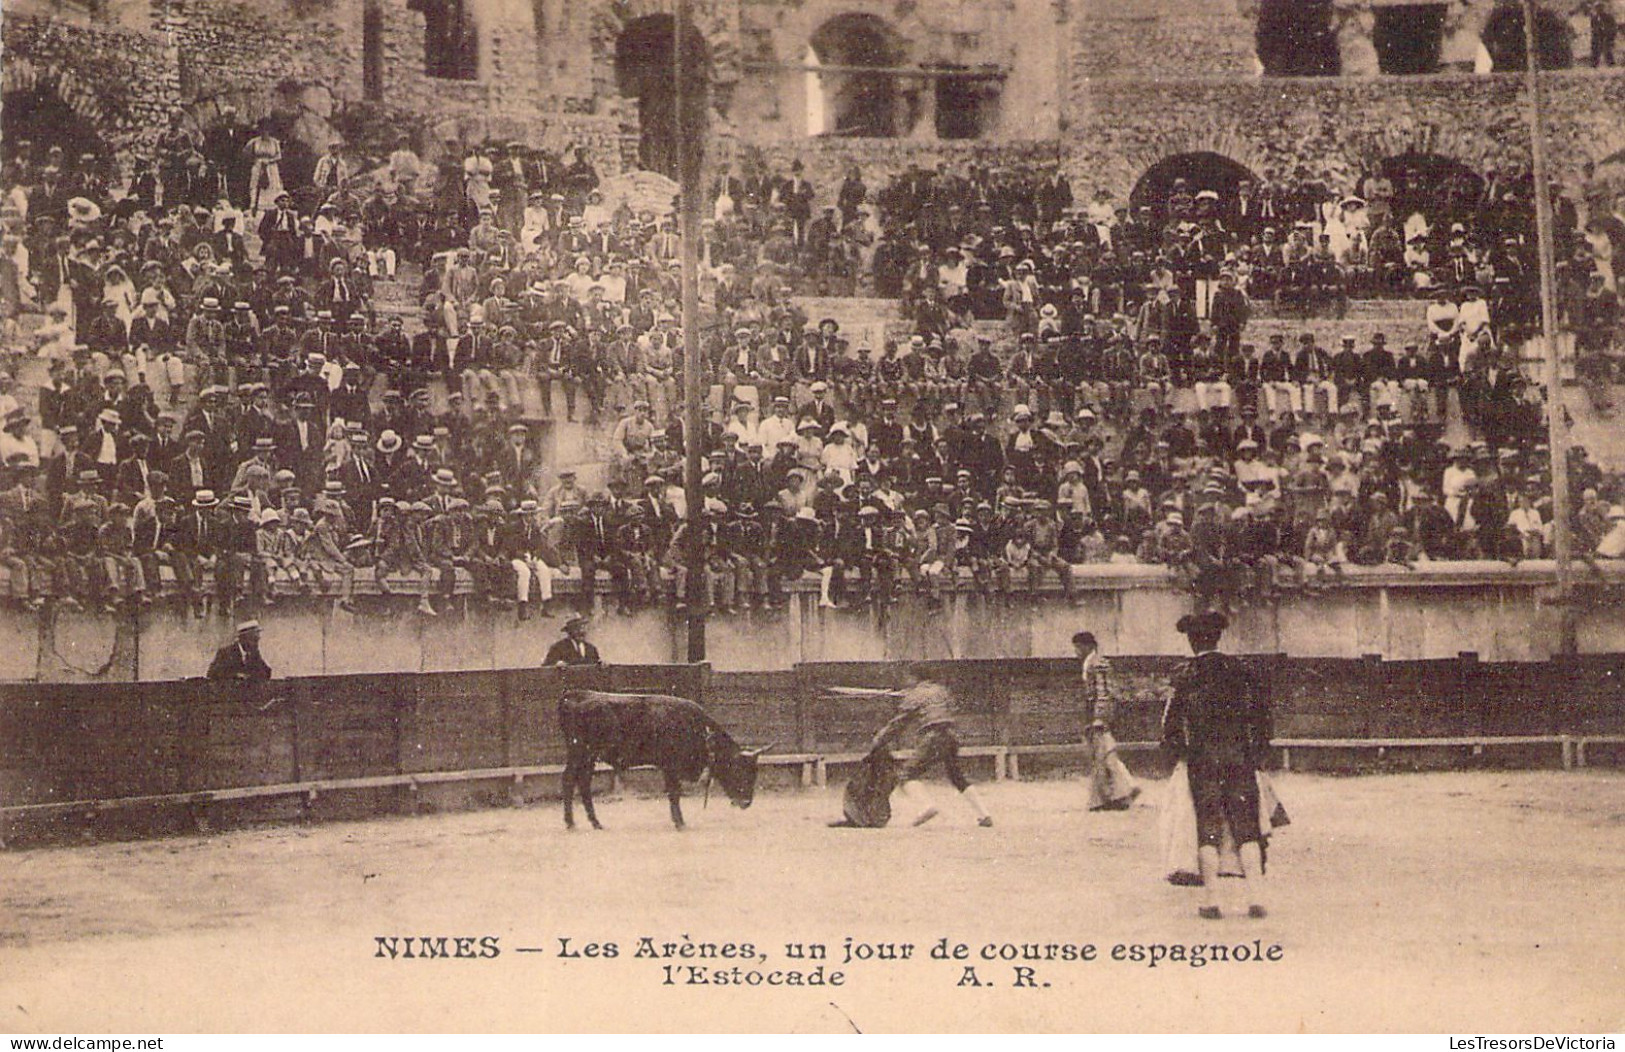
{"x": 39, "y": 116}
{"x": 847, "y": 100}
{"x": 1503, "y": 39}
{"x": 967, "y": 105}
{"x": 646, "y": 70}
{"x": 1295, "y": 38}
{"x": 451, "y": 40}
{"x": 1199, "y": 171}
{"x": 1408, "y": 37}
{"x": 1441, "y": 189}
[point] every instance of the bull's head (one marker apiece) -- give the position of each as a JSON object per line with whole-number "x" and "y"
{"x": 737, "y": 775}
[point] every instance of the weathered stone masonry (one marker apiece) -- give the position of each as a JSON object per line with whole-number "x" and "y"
{"x": 1103, "y": 87}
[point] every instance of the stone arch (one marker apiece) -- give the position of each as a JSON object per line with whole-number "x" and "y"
{"x": 1438, "y": 186}
{"x": 299, "y": 113}
{"x": 608, "y": 19}
{"x": 50, "y": 106}
{"x": 1200, "y": 169}
{"x": 21, "y": 74}
{"x": 645, "y": 70}
{"x": 1123, "y": 173}
{"x": 1454, "y": 145}
{"x": 851, "y": 102}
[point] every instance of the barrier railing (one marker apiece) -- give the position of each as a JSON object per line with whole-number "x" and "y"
{"x": 71, "y": 753}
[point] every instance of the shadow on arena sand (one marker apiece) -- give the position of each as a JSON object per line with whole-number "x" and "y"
{"x": 1472, "y": 902}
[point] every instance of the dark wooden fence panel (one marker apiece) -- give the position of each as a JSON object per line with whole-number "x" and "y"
{"x": 101, "y": 743}
{"x": 27, "y": 775}
{"x": 65, "y": 742}
{"x": 453, "y": 722}
{"x": 834, "y": 723}
{"x": 981, "y": 691}
{"x": 235, "y": 736}
{"x": 1044, "y": 703}
{"x": 531, "y": 707}
{"x": 1324, "y": 697}
{"x": 757, "y": 708}
{"x": 1585, "y": 695}
{"x": 350, "y": 726}
{"x": 1515, "y": 699}
{"x": 1425, "y": 699}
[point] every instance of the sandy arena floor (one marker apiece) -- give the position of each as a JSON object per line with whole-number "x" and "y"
{"x": 1471, "y": 903}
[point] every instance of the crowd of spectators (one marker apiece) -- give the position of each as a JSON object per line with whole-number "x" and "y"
{"x": 227, "y": 410}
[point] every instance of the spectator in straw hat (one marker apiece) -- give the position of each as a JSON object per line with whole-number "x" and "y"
{"x": 240, "y": 659}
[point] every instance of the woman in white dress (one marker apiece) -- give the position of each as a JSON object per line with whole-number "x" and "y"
{"x": 265, "y": 176}
{"x": 119, "y": 293}
{"x": 477, "y": 169}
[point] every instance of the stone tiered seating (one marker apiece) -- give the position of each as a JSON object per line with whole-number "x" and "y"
{"x": 1402, "y": 321}
{"x": 399, "y": 298}
{"x": 869, "y": 319}
{"x": 863, "y": 319}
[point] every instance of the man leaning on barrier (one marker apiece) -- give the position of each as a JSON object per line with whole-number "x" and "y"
{"x": 240, "y": 659}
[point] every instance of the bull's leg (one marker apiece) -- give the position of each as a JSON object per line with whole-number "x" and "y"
{"x": 674, "y": 793}
{"x": 570, "y": 768}
{"x": 585, "y": 777}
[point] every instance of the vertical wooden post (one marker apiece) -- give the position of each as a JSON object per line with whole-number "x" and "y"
{"x": 689, "y": 91}
{"x": 1556, "y": 423}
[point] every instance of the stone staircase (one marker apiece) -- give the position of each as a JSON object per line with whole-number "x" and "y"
{"x": 870, "y": 320}
{"x": 399, "y": 298}
{"x": 865, "y": 321}
{"x": 1402, "y": 321}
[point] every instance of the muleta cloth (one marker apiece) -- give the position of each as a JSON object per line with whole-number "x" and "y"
{"x": 1176, "y": 829}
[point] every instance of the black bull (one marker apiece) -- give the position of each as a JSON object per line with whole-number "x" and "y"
{"x": 649, "y": 730}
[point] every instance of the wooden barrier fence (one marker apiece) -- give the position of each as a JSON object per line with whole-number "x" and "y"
{"x": 151, "y": 757}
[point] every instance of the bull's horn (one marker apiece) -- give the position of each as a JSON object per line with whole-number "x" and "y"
{"x": 758, "y": 752}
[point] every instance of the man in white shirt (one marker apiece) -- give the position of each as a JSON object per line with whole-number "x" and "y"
{"x": 633, "y": 433}
{"x": 1526, "y": 521}
{"x": 332, "y": 170}
{"x": 952, "y": 274}
{"x": 1457, "y": 476}
{"x": 1472, "y": 319}
{"x": 101, "y": 443}
{"x": 1111, "y": 786}
{"x": 778, "y": 427}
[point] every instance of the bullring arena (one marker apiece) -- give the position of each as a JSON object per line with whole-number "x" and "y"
{"x": 346, "y": 358}
{"x": 1467, "y": 902}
